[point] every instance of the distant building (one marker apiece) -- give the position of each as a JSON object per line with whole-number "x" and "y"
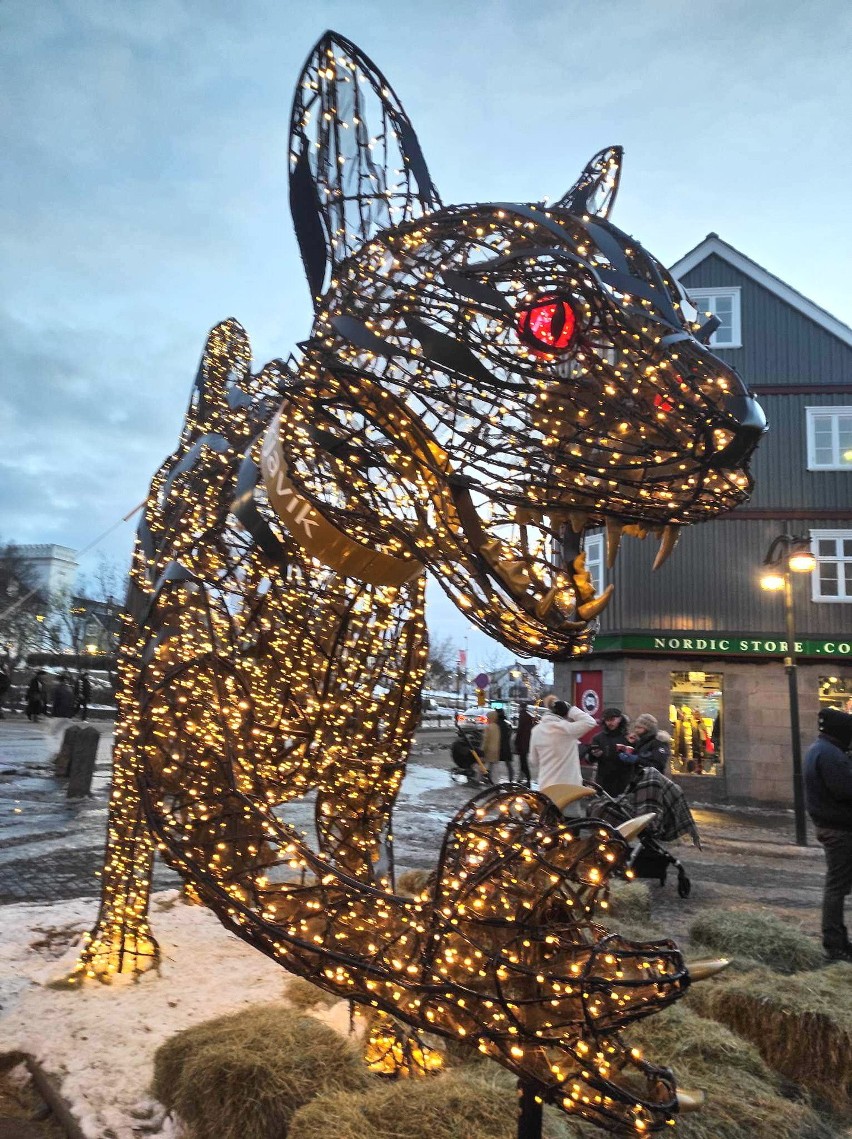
{"x": 698, "y": 643}
{"x": 99, "y": 626}
{"x": 514, "y": 683}
{"x": 52, "y": 568}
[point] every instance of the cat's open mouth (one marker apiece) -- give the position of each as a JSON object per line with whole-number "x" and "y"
{"x": 542, "y": 564}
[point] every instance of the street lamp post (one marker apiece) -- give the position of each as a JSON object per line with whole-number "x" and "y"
{"x": 787, "y": 555}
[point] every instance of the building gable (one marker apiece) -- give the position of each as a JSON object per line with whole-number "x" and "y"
{"x": 786, "y": 339}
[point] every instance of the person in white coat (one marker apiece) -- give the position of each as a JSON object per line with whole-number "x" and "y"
{"x": 554, "y": 752}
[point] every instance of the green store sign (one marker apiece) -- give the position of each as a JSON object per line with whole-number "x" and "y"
{"x": 720, "y": 644}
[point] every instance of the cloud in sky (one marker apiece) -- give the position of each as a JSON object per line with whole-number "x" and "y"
{"x": 143, "y": 189}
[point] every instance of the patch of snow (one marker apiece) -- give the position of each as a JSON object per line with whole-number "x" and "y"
{"x": 98, "y": 1041}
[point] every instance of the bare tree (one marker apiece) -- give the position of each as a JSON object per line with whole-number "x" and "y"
{"x": 86, "y": 621}
{"x": 69, "y": 623}
{"x": 441, "y": 666}
{"x": 109, "y": 582}
{"x": 24, "y": 607}
{"x": 493, "y": 659}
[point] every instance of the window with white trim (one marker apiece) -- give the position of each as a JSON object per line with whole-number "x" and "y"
{"x": 829, "y": 438}
{"x": 594, "y": 546}
{"x": 832, "y": 578}
{"x": 724, "y": 304}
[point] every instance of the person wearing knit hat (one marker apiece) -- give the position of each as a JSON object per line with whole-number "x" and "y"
{"x": 648, "y": 749}
{"x": 828, "y": 791}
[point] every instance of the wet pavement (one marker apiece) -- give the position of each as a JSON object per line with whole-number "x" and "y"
{"x": 52, "y": 848}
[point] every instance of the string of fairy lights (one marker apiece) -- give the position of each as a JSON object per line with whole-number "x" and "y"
{"x": 481, "y": 386}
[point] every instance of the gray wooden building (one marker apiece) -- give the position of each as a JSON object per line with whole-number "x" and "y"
{"x": 699, "y": 643}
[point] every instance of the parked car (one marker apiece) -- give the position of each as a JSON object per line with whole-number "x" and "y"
{"x": 471, "y": 723}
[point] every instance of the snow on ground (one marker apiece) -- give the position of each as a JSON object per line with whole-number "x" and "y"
{"x": 98, "y": 1042}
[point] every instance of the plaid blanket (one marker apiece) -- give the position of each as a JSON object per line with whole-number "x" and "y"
{"x": 650, "y": 792}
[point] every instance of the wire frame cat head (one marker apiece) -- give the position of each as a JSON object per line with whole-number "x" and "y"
{"x": 490, "y": 382}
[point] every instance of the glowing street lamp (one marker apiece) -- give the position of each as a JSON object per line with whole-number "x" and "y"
{"x": 787, "y": 555}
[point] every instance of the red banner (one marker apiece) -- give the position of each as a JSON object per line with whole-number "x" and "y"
{"x": 588, "y": 695}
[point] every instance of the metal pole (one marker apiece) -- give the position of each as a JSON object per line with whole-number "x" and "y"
{"x": 530, "y": 1111}
{"x": 796, "y": 735}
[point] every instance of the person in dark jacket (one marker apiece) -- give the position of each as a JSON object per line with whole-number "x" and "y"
{"x": 649, "y": 750}
{"x": 36, "y": 697}
{"x": 82, "y": 695}
{"x": 505, "y": 742}
{"x": 828, "y": 791}
{"x": 522, "y": 742}
{"x": 607, "y": 749}
{"x": 5, "y": 685}
{"x": 63, "y": 699}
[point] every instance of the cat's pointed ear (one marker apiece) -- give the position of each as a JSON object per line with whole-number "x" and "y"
{"x": 595, "y": 190}
{"x": 355, "y": 163}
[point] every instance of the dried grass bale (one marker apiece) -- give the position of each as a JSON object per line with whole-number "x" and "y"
{"x": 629, "y": 901}
{"x": 742, "y": 1093}
{"x": 301, "y": 994}
{"x": 681, "y": 1036}
{"x": 802, "y": 1027}
{"x": 739, "y": 1106}
{"x": 747, "y": 936}
{"x": 243, "y": 1076}
{"x": 447, "y": 1107}
{"x": 413, "y": 882}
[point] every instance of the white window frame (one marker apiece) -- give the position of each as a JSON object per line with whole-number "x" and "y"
{"x": 595, "y": 548}
{"x": 833, "y": 411}
{"x": 843, "y": 598}
{"x": 700, "y": 298}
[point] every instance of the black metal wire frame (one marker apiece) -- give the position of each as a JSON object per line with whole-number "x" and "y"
{"x": 482, "y": 386}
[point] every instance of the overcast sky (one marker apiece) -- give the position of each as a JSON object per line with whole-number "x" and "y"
{"x": 143, "y": 185}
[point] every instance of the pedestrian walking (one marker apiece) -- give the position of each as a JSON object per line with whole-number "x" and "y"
{"x": 491, "y": 743}
{"x": 5, "y": 685}
{"x": 505, "y": 742}
{"x": 607, "y": 750}
{"x": 554, "y": 750}
{"x": 828, "y": 791}
{"x": 36, "y": 698}
{"x": 493, "y": 746}
{"x": 82, "y": 695}
{"x": 522, "y": 742}
{"x": 63, "y": 699}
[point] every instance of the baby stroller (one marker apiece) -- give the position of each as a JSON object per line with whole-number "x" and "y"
{"x": 651, "y": 792}
{"x": 467, "y": 763}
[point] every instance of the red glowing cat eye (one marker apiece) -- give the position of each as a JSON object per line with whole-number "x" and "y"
{"x": 547, "y": 325}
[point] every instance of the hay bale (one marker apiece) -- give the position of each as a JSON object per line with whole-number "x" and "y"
{"x": 485, "y": 1075}
{"x": 802, "y": 1029}
{"x": 243, "y": 1076}
{"x": 679, "y": 1036}
{"x": 637, "y": 931}
{"x": 739, "y": 1105}
{"x": 303, "y": 995}
{"x": 629, "y": 901}
{"x": 747, "y": 936}
{"x": 743, "y": 1094}
{"x": 413, "y": 882}
{"x": 447, "y": 1107}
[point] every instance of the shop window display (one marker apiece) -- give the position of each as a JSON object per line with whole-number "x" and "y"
{"x": 696, "y": 723}
{"x": 836, "y": 692}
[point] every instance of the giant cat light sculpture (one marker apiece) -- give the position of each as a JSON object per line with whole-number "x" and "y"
{"x": 482, "y": 385}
